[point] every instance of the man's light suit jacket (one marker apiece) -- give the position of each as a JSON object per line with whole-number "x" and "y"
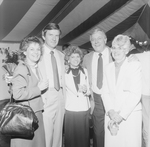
{"x": 42, "y": 69}
{"x": 87, "y": 63}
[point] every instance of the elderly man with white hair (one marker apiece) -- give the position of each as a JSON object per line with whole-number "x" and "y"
{"x": 121, "y": 97}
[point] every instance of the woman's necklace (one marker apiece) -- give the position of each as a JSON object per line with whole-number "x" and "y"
{"x": 75, "y": 72}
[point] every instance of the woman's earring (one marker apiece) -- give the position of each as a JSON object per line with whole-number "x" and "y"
{"x": 24, "y": 53}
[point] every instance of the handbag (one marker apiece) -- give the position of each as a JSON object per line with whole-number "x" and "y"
{"x": 3, "y": 103}
{"x": 18, "y": 120}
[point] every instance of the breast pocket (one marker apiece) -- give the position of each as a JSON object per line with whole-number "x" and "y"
{"x": 126, "y": 85}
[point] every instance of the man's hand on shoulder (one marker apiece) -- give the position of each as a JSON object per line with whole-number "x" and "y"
{"x": 132, "y": 58}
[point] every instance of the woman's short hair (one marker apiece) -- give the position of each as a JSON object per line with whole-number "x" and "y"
{"x": 72, "y": 50}
{"x": 121, "y": 40}
{"x": 25, "y": 44}
{"x": 50, "y": 26}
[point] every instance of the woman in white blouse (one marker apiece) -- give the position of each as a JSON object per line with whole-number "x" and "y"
{"x": 77, "y": 100}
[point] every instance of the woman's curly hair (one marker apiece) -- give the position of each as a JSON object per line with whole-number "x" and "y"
{"x": 72, "y": 50}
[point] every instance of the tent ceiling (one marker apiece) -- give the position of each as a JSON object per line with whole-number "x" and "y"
{"x": 77, "y": 19}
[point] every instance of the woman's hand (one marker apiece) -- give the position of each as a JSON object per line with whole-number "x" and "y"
{"x": 7, "y": 78}
{"x": 66, "y": 68}
{"x": 82, "y": 88}
{"x": 113, "y": 127}
{"x": 118, "y": 119}
{"x": 43, "y": 85}
{"x": 132, "y": 57}
{"x": 113, "y": 115}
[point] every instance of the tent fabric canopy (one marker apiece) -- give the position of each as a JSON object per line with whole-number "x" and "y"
{"x": 76, "y": 18}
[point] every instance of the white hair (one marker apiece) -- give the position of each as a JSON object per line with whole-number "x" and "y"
{"x": 99, "y": 30}
{"x": 121, "y": 40}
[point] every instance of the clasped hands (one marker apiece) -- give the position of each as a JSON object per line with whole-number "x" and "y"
{"x": 113, "y": 115}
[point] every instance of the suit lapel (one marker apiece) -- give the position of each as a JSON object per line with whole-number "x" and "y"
{"x": 122, "y": 72}
{"x": 112, "y": 77}
{"x": 42, "y": 70}
{"x": 89, "y": 66}
{"x": 110, "y": 57}
{"x": 71, "y": 83}
{"x": 61, "y": 56}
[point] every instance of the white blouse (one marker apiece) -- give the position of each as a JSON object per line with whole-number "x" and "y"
{"x": 75, "y": 100}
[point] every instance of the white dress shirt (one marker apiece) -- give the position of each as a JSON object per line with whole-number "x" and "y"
{"x": 105, "y": 57}
{"x": 48, "y": 65}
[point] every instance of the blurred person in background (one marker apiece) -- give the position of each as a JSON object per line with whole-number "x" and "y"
{"x": 65, "y": 46}
{"x": 144, "y": 58}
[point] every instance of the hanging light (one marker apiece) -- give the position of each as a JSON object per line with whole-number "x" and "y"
{"x": 145, "y": 42}
{"x": 140, "y": 43}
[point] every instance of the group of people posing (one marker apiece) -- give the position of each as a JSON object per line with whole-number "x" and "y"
{"x": 69, "y": 88}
